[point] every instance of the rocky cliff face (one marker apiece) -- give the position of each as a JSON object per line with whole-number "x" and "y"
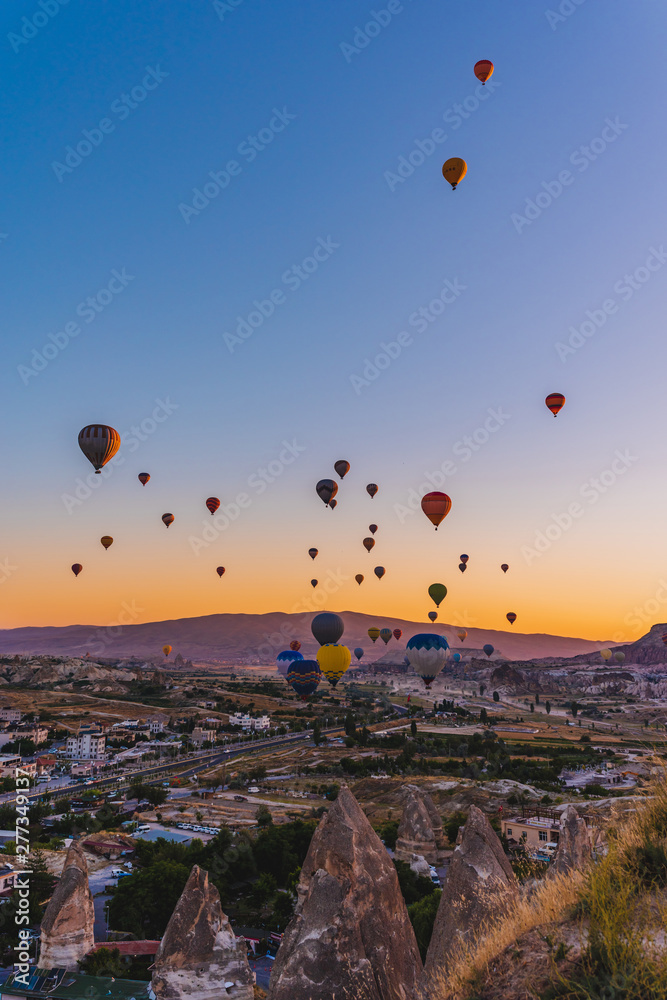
{"x": 350, "y": 937}
{"x": 416, "y": 833}
{"x": 574, "y": 846}
{"x": 479, "y": 885}
{"x": 67, "y": 927}
{"x": 199, "y": 957}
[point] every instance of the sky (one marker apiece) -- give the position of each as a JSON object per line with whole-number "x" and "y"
{"x": 224, "y": 231}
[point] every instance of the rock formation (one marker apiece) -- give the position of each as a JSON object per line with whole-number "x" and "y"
{"x": 479, "y": 885}
{"x": 350, "y": 936}
{"x": 67, "y": 926}
{"x": 420, "y": 829}
{"x": 199, "y": 957}
{"x": 574, "y": 846}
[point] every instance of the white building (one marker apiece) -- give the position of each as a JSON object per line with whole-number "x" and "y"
{"x": 10, "y": 715}
{"x": 88, "y": 744}
{"x": 157, "y": 723}
{"x": 246, "y": 722}
{"x": 9, "y": 762}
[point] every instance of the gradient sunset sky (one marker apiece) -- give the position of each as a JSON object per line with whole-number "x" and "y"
{"x": 345, "y": 160}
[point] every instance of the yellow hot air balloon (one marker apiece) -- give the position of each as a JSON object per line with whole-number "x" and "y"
{"x": 334, "y": 661}
{"x": 106, "y": 541}
{"x": 373, "y": 633}
{"x": 454, "y": 170}
{"x": 166, "y": 650}
{"x": 605, "y": 654}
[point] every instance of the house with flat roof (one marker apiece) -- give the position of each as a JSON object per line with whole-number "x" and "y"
{"x": 63, "y": 985}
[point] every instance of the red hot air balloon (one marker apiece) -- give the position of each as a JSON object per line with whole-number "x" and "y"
{"x": 212, "y": 503}
{"x": 372, "y": 489}
{"x": 511, "y": 617}
{"x": 342, "y": 468}
{"x": 483, "y": 70}
{"x": 372, "y": 528}
{"x": 504, "y": 567}
{"x": 76, "y": 568}
{"x": 143, "y": 478}
{"x": 436, "y": 506}
{"x": 326, "y": 490}
{"x": 398, "y": 633}
{"x": 220, "y": 570}
{"x": 368, "y": 544}
{"x": 464, "y": 558}
{"x": 359, "y": 578}
{"x": 555, "y": 402}
{"x": 99, "y": 444}
{"x": 168, "y": 519}
{"x": 312, "y": 553}
{"x": 379, "y": 572}
{"x": 295, "y": 645}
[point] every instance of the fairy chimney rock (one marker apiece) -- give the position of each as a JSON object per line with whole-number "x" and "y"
{"x": 199, "y": 957}
{"x": 420, "y": 829}
{"x": 350, "y": 935}
{"x": 67, "y": 926}
{"x": 574, "y": 846}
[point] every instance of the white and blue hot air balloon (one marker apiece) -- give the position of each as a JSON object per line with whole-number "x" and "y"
{"x": 284, "y": 659}
{"x": 427, "y": 653}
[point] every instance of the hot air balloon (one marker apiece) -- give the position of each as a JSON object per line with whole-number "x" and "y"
{"x": 303, "y": 676}
{"x": 372, "y": 528}
{"x": 372, "y": 489}
{"x": 284, "y": 659}
{"x": 313, "y": 583}
{"x": 368, "y": 543}
{"x": 605, "y": 654}
{"x": 312, "y": 553}
{"x": 462, "y": 634}
{"x": 359, "y": 578}
{"x": 398, "y": 632}
{"x": 619, "y": 656}
{"x": 483, "y": 70}
{"x": 379, "y": 572}
{"x": 342, "y": 468}
{"x": 166, "y": 650}
{"x": 373, "y": 633}
{"x": 456, "y": 657}
{"x": 333, "y": 503}
{"x": 463, "y": 567}
{"x": 511, "y": 617}
{"x": 555, "y": 402}
{"x": 327, "y": 627}
{"x": 143, "y": 478}
{"x": 436, "y": 506}
{"x": 326, "y": 490}
{"x": 212, "y": 503}
{"x": 334, "y": 661}
{"x": 168, "y": 519}
{"x": 99, "y": 444}
{"x": 295, "y": 644}
{"x": 664, "y": 638}
{"x": 464, "y": 558}
{"x": 504, "y": 567}
{"x": 454, "y": 170}
{"x": 220, "y": 570}
{"x": 488, "y": 649}
{"x": 385, "y": 635}
{"x": 433, "y": 615}
{"x": 427, "y": 654}
{"x": 358, "y": 652}
{"x": 106, "y": 541}
{"x": 76, "y": 568}
{"x": 437, "y": 592}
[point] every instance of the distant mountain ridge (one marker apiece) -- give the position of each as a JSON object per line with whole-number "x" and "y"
{"x": 256, "y": 639}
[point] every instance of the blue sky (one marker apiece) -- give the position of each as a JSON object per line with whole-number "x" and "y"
{"x": 221, "y": 76}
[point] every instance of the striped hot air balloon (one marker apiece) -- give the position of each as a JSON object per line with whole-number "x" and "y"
{"x": 143, "y": 477}
{"x": 284, "y": 659}
{"x": 426, "y": 654}
{"x": 398, "y": 632}
{"x": 373, "y": 633}
{"x": 483, "y": 70}
{"x": 99, "y": 443}
{"x": 334, "y": 661}
{"x": 168, "y": 519}
{"x": 106, "y": 541}
{"x": 304, "y": 677}
{"x": 212, "y": 503}
{"x": 511, "y": 617}
{"x": 555, "y": 402}
{"x": 385, "y": 635}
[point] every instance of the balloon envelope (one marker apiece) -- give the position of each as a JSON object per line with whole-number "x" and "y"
{"x": 605, "y": 654}
{"x": 99, "y": 443}
{"x": 312, "y": 553}
{"x": 295, "y": 644}
{"x": 333, "y": 503}
{"x": 212, "y": 503}
{"x": 358, "y": 652}
{"x": 488, "y": 649}
{"x": 555, "y": 401}
{"x": 385, "y": 635}
{"x": 284, "y": 659}
{"x": 166, "y": 650}
{"x": 326, "y": 490}
{"x": 313, "y": 583}
{"x": 220, "y": 570}
{"x": 327, "y": 627}
{"x": 620, "y": 656}
{"x": 464, "y": 558}
{"x": 106, "y": 541}
{"x": 433, "y": 615}
{"x": 143, "y": 478}
{"x": 504, "y": 567}
{"x": 359, "y": 578}
{"x": 372, "y": 528}
{"x": 342, "y": 468}
{"x": 303, "y": 676}
{"x": 463, "y": 567}
{"x": 436, "y": 506}
{"x": 483, "y": 70}
{"x": 372, "y": 489}
{"x": 454, "y": 170}
{"x": 368, "y": 543}
{"x": 168, "y": 519}
{"x": 76, "y": 568}
{"x": 373, "y": 633}
{"x": 462, "y": 634}
{"x": 511, "y": 617}
{"x": 334, "y": 661}
{"x": 379, "y": 572}
{"x": 426, "y": 654}
{"x": 437, "y": 592}
{"x": 398, "y": 632}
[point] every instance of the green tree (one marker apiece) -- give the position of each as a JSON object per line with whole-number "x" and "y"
{"x": 317, "y": 733}
{"x": 482, "y": 689}
{"x": 496, "y": 696}
{"x": 263, "y": 816}
{"x": 350, "y": 725}
{"x": 414, "y": 887}
{"x": 483, "y": 715}
{"x": 422, "y": 915}
{"x": 413, "y": 729}
{"x": 155, "y": 794}
{"x": 143, "y": 903}
{"x": 104, "y": 962}
{"x": 547, "y": 705}
{"x": 574, "y": 708}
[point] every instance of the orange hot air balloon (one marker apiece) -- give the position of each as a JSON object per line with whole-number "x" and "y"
{"x": 313, "y": 583}
{"x": 398, "y": 632}
{"x": 212, "y": 503}
{"x": 504, "y": 567}
{"x": 462, "y": 634}
{"x": 436, "y": 506}
{"x": 99, "y": 444}
{"x": 379, "y": 572}
{"x": 359, "y": 578}
{"x": 295, "y": 645}
{"x": 555, "y": 401}
{"x": 372, "y": 528}
{"x": 368, "y": 543}
{"x": 106, "y": 541}
{"x": 312, "y": 553}
{"x": 511, "y": 617}
{"x": 483, "y": 70}
{"x": 372, "y": 489}
{"x": 168, "y": 519}
{"x": 143, "y": 478}
{"x": 454, "y": 170}
{"x": 220, "y": 570}
{"x": 166, "y": 650}
{"x": 342, "y": 468}
{"x": 76, "y": 568}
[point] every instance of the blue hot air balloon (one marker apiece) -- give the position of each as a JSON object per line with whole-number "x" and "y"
{"x": 303, "y": 677}
{"x": 358, "y": 652}
{"x": 488, "y": 649}
{"x": 427, "y": 653}
{"x": 456, "y": 657}
{"x": 285, "y": 658}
